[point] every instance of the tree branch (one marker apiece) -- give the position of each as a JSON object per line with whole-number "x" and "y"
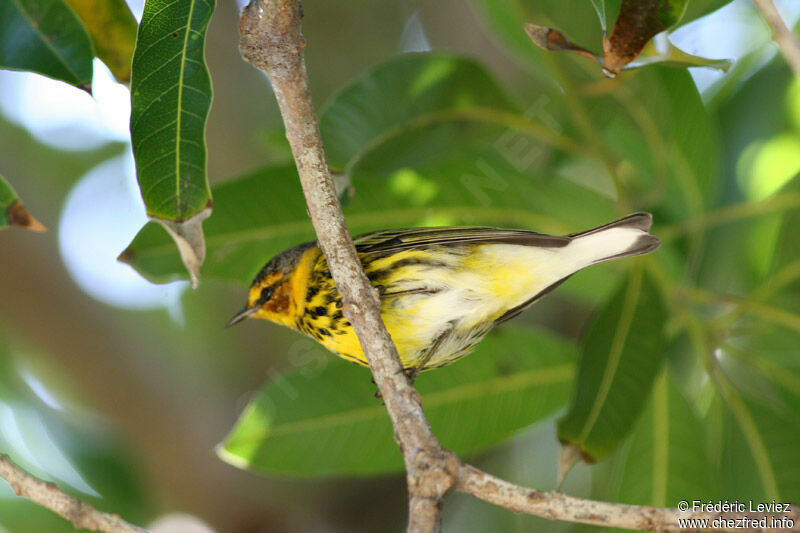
{"x": 81, "y": 514}
{"x": 271, "y": 41}
{"x": 788, "y": 42}
{"x": 557, "y": 506}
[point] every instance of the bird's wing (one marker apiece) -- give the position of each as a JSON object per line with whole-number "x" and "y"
{"x": 386, "y": 241}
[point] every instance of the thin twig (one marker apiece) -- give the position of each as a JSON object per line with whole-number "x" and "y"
{"x": 271, "y": 41}
{"x": 788, "y": 42}
{"x": 81, "y": 514}
{"x": 557, "y": 506}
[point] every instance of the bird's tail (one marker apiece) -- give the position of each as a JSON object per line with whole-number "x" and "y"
{"x": 625, "y": 237}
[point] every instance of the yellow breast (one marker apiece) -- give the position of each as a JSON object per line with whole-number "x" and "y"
{"x": 423, "y": 292}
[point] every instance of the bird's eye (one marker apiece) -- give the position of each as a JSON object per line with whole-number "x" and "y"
{"x": 266, "y": 295}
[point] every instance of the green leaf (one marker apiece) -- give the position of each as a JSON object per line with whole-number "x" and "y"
{"x": 761, "y": 362}
{"x": 170, "y": 100}
{"x": 787, "y": 248}
{"x": 671, "y": 142}
{"x": 326, "y": 421}
{"x": 621, "y": 354}
{"x": 670, "y": 12}
{"x": 759, "y": 458}
{"x": 473, "y": 167}
{"x": 112, "y": 29}
{"x": 466, "y": 155}
{"x": 409, "y": 90}
{"x": 46, "y": 37}
{"x": 674, "y": 57}
{"x": 12, "y": 212}
{"x": 666, "y": 459}
{"x": 701, "y": 8}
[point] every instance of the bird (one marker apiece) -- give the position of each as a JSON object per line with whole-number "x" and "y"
{"x": 441, "y": 289}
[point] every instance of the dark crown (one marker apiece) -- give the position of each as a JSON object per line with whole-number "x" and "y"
{"x": 284, "y": 262}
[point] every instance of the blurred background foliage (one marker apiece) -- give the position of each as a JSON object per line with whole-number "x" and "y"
{"x": 687, "y": 361}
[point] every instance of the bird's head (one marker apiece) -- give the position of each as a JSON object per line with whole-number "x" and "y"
{"x": 279, "y": 288}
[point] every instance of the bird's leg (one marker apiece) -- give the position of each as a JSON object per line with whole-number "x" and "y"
{"x": 412, "y": 372}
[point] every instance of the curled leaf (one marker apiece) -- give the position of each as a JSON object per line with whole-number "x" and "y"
{"x": 554, "y": 40}
{"x": 188, "y": 237}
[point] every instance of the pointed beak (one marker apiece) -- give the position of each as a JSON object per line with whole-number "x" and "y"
{"x": 241, "y": 315}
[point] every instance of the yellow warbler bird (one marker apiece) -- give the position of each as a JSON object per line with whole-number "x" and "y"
{"x": 441, "y": 289}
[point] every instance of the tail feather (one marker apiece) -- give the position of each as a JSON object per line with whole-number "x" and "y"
{"x": 640, "y": 221}
{"x": 622, "y": 238}
{"x": 644, "y": 245}
{"x": 625, "y": 237}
